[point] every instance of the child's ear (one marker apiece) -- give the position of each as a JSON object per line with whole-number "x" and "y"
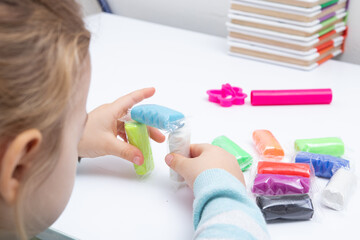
{"x": 16, "y": 161}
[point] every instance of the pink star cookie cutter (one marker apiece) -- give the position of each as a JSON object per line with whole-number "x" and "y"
{"x": 227, "y": 96}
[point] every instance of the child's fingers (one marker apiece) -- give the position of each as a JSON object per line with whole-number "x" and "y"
{"x": 156, "y": 135}
{"x": 124, "y": 150}
{"x": 129, "y": 100}
{"x": 176, "y": 162}
{"x": 197, "y": 149}
{"x": 123, "y": 137}
{"x": 120, "y": 128}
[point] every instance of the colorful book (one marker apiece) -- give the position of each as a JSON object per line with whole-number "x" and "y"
{"x": 303, "y": 11}
{"x": 308, "y": 62}
{"x": 334, "y": 42}
{"x": 303, "y": 3}
{"x": 287, "y": 12}
{"x": 286, "y": 28}
{"x": 260, "y": 38}
{"x": 298, "y": 23}
{"x": 300, "y": 34}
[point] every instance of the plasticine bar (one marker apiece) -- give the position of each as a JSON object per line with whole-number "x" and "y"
{"x": 179, "y": 142}
{"x": 324, "y": 165}
{"x": 267, "y": 145}
{"x": 338, "y": 190}
{"x": 293, "y": 169}
{"x": 270, "y": 184}
{"x": 244, "y": 159}
{"x": 286, "y": 207}
{"x": 291, "y": 97}
{"x": 138, "y": 136}
{"x": 157, "y": 116}
{"x": 330, "y": 146}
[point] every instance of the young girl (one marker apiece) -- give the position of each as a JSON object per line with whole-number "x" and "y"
{"x": 44, "y": 127}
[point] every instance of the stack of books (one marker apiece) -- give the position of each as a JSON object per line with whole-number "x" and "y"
{"x": 295, "y": 33}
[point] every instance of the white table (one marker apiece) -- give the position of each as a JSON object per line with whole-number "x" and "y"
{"x": 110, "y": 202}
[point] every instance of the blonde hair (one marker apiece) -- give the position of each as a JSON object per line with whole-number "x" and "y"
{"x": 43, "y": 44}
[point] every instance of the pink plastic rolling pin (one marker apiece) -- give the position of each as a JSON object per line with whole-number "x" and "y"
{"x": 291, "y": 97}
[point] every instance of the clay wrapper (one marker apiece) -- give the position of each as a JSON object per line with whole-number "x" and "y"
{"x": 330, "y": 146}
{"x": 282, "y": 168}
{"x": 179, "y": 142}
{"x": 338, "y": 190}
{"x": 286, "y": 207}
{"x": 270, "y": 184}
{"x": 243, "y": 158}
{"x": 267, "y": 145}
{"x": 157, "y": 116}
{"x": 324, "y": 165}
{"x": 138, "y": 136}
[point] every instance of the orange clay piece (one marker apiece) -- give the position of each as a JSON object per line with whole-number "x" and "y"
{"x": 267, "y": 145}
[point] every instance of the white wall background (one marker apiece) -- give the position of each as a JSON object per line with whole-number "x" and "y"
{"x": 209, "y": 16}
{"x": 352, "y": 47}
{"x": 90, "y": 6}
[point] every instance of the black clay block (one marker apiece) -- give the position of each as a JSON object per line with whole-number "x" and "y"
{"x": 286, "y": 207}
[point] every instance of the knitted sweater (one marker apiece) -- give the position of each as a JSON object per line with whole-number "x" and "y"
{"x": 223, "y": 210}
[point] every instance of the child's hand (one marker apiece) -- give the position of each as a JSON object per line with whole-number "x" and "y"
{"x": 103, "y": 127}
{"x": 205, "y": 156}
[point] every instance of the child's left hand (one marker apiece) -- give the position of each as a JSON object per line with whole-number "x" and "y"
{"x": 103, "y": 127}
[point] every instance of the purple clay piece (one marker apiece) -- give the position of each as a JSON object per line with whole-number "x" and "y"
{"x": 271, "y": 184}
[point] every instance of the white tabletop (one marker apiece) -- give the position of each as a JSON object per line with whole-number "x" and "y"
{"x": 110, "y": 202}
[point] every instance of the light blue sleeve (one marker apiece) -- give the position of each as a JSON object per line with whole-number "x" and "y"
{"x": 223, "y": 210}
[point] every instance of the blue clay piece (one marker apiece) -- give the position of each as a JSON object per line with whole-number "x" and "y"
{"x": 157, "y": 116}
{"x": 324, "y": 165}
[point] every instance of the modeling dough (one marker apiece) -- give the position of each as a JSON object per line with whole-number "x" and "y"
{"x": 338, "y": 190}
{"x": 179, "y": 142}
{"x": 157, "y": 116}
{"x": 270, "y": 184}
{"x": 324, "y": 165}
{"x": 291, "y": 97}
{"x": 138, "y": 136}
{"x": 244, "y": 159}
{"x": 294, "y": 169}
{"x": 286, "y": 207}
{"x": 331, "y": 146}
{"x": 267, "y": 145}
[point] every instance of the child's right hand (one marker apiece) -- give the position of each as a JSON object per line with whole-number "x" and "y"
{"x": 204, "y": 157}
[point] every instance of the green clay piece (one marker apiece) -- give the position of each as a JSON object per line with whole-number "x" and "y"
{"x": 138, "y": 136}
{"x": 244, "y": 159}
{"x": 330, "y": 146}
